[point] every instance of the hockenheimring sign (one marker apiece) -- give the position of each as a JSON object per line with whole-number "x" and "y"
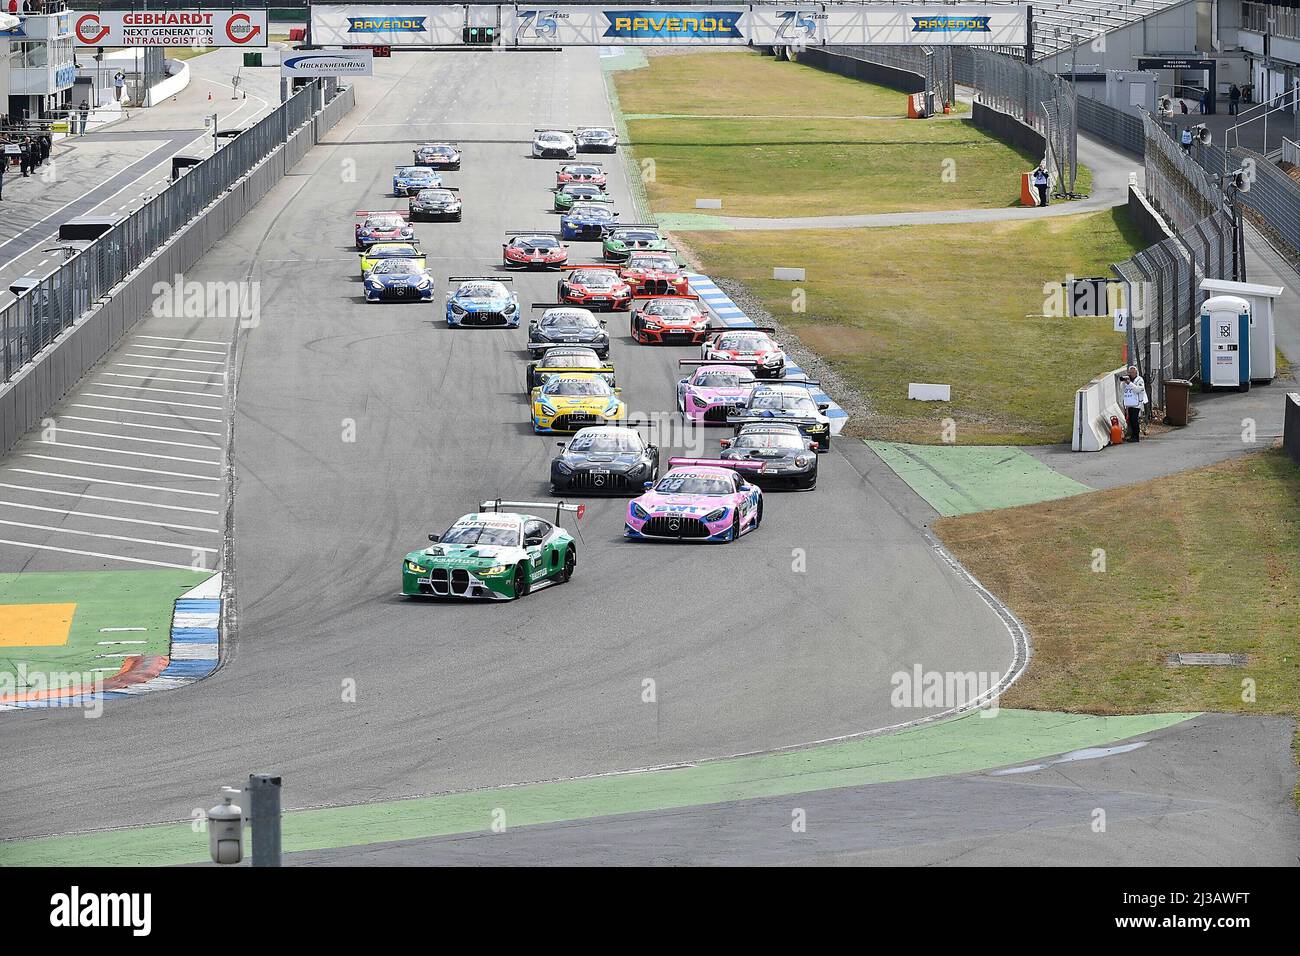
{"x": 705, "y": 25}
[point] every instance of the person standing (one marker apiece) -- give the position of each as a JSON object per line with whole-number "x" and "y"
{"x": 1185, "y": 139}
{"x": 119, "y": 83}
{"x": 1234, "y": 99}
{"x": 1135, "y": 398}
{"x": 25, "y": 156}
{"x": 4, "y": 162}
{"x": 1041, "y": 181}
{"x": 84, "y": 110}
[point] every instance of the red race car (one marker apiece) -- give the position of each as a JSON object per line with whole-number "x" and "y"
{"x": 380, "y": 227}
{"x": 533, "y": 250}
{"x": 671, "y": 320}
{"x": 745, "y": 347}
{"x": 591, "y": 174}
{"x": 594, "y": 287}
{"x": 654, "y": 273}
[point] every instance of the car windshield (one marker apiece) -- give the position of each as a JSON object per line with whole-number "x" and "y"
{"x": 692, "y": 483}
{"x": 418, "y": 172}
{"x": 385, "y": 222}
{"x": 575, "y": 387}
{"x": 536, "y": 242}
{"x": 575, "y": 360}
{"x": 569, "y": 320}
{"x": 784, "y": 402}
{"x": 744, "y": 343}
{"x": 388, "y": 252}
{"x": 786, "y": 440}
{"x": 585, "y": 191}
{"x": 481, "y": 290}
{"x": 437, "y": 150}
{"x": 398, "y": 267}
{"x": 478, "y": 533}
{"x": 723, "y": 379}
{"x": 435, "y": 195}
{"x": 584, "y": 170}
{"x": 591, "y": 211}
{"x": 637, "y": 236}
{"x": 608, "y": 443}
{"x": 672, "y": 310}
{"x": 594, "y": 279}
{"x": 553, "y": 137}
{"x": 656, "y": 263}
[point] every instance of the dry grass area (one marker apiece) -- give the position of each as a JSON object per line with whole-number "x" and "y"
{"x": 1204, "y": 561}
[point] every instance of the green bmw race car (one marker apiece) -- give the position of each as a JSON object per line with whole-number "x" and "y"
{"x": 570, "y": 193}
{"x": 627, "y": 238}
{"x": 494, "y": 554}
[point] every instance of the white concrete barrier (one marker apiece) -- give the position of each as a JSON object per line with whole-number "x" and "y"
{"x": 788, "y": 275}
{"x": 708, "y": 204}
{"x": 1094, "y": 404}
{"x": 178, "y": 78}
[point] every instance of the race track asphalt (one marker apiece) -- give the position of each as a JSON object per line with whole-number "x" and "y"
{"x": 746, "y": 653}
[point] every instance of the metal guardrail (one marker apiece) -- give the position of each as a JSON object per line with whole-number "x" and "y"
{"x": 1176, "y": 183}
{"x": 1164, "y": 299}
{"x": 1274, "y": 197}
{"x": 60, "y": 298}
{"x": 1290, "y": 152}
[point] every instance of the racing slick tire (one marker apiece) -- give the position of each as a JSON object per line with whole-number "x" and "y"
{"x": 570, "y": 562}
{"x": 735, "y": 529}
{"x": 522, "y": 584}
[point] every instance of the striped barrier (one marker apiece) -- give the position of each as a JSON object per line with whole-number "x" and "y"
{"x": 730, "y": 315}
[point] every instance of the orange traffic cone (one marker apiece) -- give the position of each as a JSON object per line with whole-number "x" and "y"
{"x": 209, "y": 96}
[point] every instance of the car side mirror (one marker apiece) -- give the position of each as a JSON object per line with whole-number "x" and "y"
{"x": 823, "y": 406}
{"x": 648, "y": 485}
{"x": 433, "y": 537}
{"x": 725, "y": 442}
{"x": 618, "y": 390}
{"x": 813, "y": 446}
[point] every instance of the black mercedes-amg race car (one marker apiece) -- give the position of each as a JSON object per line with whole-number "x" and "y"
{"x": 566, "y": 358}
{"x": 789, "y": 458}
{"x": 604, "y": 459}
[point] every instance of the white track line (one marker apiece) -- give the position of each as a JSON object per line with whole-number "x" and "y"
{"x": 161, "y": 428}
{"x": 173, "y": 358}
{"x": 169, "y": 368}
{"x": 170, "y": 348}
{"x": 107, "y": 537}
{"x": 150, "y": 441}
{"x": 96, "y": 554}
{"x": 154, "y": 401}
{"x": 120, "y": 501}
{"x": 100, "y": 464}
{"x": 185, "y": 416}
{"x": 119, "y": 451}
{"x": 121, "y": 484}
{"x": 159, "y": 378}
{"x": 91, "y": 514}
{"x": 168, "y": 338}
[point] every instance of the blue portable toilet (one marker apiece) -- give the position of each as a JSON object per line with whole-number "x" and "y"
{"x": 1225, "y": 343}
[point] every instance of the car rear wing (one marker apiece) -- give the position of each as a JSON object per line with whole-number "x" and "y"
{"x": 542, "y": 369}
{"x": 754, "y": 328}
{"x": 450, "y": 189}
{"x": 580, "y": 162}
{"x": 480, "y": 279}
{"x": 497, "y": 504}
{"x": 737, "y": 465}
{"x": 558, "y": 305}
{"x": 365, "y": 213}
{"x": 516, "y": 233}
{"x": 400, "y": 166}
{"x": 739, "y": 420}
{"x": 590, "y": 265}
{"x": 640, "y": 225}
{"x": 583, "y": 129}
{"x": 369, "y": 254}
{"x": 698, "y": 362}
{"x": 552, "y": 129}
{"x": 439, "y": 143}
{"x": 686, "y": 296}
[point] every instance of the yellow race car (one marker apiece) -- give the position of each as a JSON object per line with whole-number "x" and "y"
{"x": 379, "y": 251}
{"x": 569, "y": 401}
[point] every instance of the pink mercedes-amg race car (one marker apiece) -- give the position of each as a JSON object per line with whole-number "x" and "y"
{"x": 699, "y": 499}
{"x": 714, "y": 391}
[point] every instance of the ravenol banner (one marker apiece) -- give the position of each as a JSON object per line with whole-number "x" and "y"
{"x": 881, "y": 25}
{"x": 375, "y": 25}
{"x": 171, "y": 28}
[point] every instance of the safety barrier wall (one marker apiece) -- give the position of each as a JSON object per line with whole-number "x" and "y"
{"x": 39, "y": 384}
{"x": 1094, "y": 406}
{"x": 1009, "y": 129}
{"x": 894, "y": 77}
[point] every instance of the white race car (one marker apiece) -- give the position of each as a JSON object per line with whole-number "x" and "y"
{"x": 554, "y": 144}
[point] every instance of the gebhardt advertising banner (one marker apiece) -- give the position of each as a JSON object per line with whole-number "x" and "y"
{"x": 245, "y": 28}
{"x": 659, "y": 24}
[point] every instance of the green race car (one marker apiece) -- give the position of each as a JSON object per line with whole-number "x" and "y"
{"x": 494, "y": 554}
{"x": 623, "y": 240}
{"x": 570, "y": 193}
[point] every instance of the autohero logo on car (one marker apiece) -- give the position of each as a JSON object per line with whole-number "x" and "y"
{"x": 951, "y": 24}
{"x": 667, "y": 24}
{"x": 76, "y": 909}
{"x": 386, "y": 24}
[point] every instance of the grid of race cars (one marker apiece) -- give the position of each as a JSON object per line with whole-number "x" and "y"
{"x": 737, "y": 381}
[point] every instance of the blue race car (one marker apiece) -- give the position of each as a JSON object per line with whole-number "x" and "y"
{"x": 482, "y": 300}
{"x": 409, "y": 180}
{"x": 586, "y": 220}
{"x": 399, "y": 280}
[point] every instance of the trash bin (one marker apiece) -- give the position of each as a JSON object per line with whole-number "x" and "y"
{"x": 1177, "y": 398}
{"x": 252, "y": 58}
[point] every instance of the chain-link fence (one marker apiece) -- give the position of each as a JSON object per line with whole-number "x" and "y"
{"x": 1175, "y": 183}
{"x": 933, "y": 65}
{"x": 1273, "y": 200}
{"x": 1118, "y": 127}
{"x": 1164, "y": 299}
{"x": 56, "y": 301}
